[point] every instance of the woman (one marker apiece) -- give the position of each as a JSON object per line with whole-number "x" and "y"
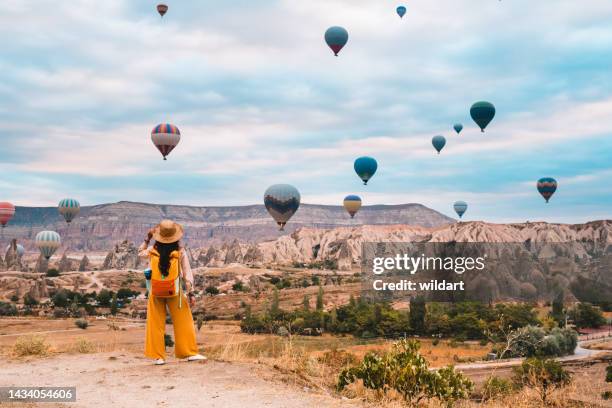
{"x": 169, "y": 268}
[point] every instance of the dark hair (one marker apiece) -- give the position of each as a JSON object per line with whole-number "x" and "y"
{"x": 164, "y": 255}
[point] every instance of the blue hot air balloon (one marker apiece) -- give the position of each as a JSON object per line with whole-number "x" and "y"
{"x": 438, "y": 142}
{"x": 365, "y": 167}
{"x": 401, "y": 10}
{"x": 336, "y": 38}
{"x": 460, "y": 208}
{"x": 282, "y": 201}
{"x": 547, "y": 187}
{"x": 458, "y": 127}
{"x": 482, "y": 112}
{"x": 352, "y": 204}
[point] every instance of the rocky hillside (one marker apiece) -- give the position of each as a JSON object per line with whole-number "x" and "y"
{"x": 100, "y": 227}
{"x": 343, "y": 245}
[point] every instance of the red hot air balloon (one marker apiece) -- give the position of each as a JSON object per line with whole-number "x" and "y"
{"x": 162, "y": 9}
{"x": 7, "y": 210}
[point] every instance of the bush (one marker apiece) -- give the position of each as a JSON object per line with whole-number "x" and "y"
{"x": 29, "y": 300}
{"x": 104, "y": 298}
{"x": 544, "y": 375}
{"x": 606, "y": 395}
{"x": 406, "y": 371}
{"x": 609, "y": 373}
{"x": 30, "y": 346}
{"x": 435, "y": 342}
{"x": 495, "y": 387}
{"x": 14, "y": 298}
{"x": 81, "y": 323}
{"x": 7, "y": 309}
{"x": 60, "y": 298}
{"x": 53, "y": 273}
{"x": 533, "y": 341}
{"x": 211, "y": 290}
{"x": 238, "y": 286}
{"x": 586, "y": 315}
{"x": 84, "y": 346}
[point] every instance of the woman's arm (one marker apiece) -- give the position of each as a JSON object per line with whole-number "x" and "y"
{"x": 186, "y": 270}
{"x": 143, "y": 250}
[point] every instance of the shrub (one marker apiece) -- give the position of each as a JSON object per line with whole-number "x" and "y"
{"x": 53, "y": 273}
{"x": 211, "y": 290}
{"x": 405, "y": 370}
{"x": 544, "y": 375}
{"x": 495, "y": 387}
{"x": 29, "y": 300}
{"x": 168, "y": 342}
{"x": 81, "y": 323}
{"x": 60, "y": 298}
{"x": 586, "y": 315}
{"x": 609, "y": 373}
{"x": 435, "y": 342}
{"x": 30, "y": 346}
{"x": 238, "y": 286}
{"x": 200, "y": 321}
{"x": 104, "y": 298}
{"x": 7, "y": 309}
{"x": 606, "y": 395}
{"x": 84, "y": 346}
{"x": 14, "y": 298}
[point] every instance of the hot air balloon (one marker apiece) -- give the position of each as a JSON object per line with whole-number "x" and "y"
{"x": 365, "y": 167}
{"x": 547, "y": 187}
{"x": 282, "y": 201}
{"x": 460, "y": 208}
{"x": 7, "y": 210}
{"x": 162, "y": 9}
{"x": 336, "y": 38}
{"x": 482, "y": 112}
{"x": 352, "y": 204}
{"x": 69, "y": 208}
{"x": 165, "y": 137}
{"x": 47, "y": 242}
{"x": 458, "y": 127}
{"x": 401, "y": 10}
{"x": 20, "y": 249}
{"x": 438, "y": 142}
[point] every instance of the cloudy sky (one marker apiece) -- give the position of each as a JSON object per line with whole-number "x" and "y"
{"x": 260, "y": 99}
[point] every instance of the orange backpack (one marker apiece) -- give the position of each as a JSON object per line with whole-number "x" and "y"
{"x": 165, "y": 286}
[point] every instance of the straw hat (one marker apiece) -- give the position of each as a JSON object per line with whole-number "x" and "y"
{"x": 167, "y": 232}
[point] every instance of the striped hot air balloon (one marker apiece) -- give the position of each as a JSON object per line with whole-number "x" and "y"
{"x": 460, "y": 208}
{"x": 69, "y": 208}
{"x": 282, "y": 201}
{"x": 7, "y": 210}
{"x": 48, "y": 242}
{"x": 162, "y": 9}
{"x": 165, "y": 137}
{"x": 352, "y": 204}
{"x": 547, "y": 187}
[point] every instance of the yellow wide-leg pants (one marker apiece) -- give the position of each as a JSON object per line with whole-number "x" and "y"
{"x": 184, "y": 331}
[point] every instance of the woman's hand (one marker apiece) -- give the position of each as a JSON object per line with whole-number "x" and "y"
{"x": 149, "y": 236}
{"x": 192, "y": 299}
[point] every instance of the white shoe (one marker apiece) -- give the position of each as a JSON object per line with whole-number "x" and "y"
{"x": 160, "y": 361}
{"x": 197, "y": 357}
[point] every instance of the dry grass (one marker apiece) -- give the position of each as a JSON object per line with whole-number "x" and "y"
{"x": 84, "y": 346}
{"x": 30, "y": 346}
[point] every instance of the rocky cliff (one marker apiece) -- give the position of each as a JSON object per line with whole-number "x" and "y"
{"x": 100, "y": 227}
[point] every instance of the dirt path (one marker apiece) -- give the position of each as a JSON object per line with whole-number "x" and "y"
{"x": 122, "y": 379}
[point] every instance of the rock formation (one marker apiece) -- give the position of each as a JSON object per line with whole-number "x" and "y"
{"x": 12, "y": 259}
{"x": 123, "y": 256}
{"x": 84, "y": 264}
{"x": 65, "y": 264}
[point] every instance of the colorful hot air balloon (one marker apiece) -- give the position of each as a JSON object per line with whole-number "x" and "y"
{"x": 458, "y": 127}
{"x": 20, "y": 249}
{"x": 482, "y": 112}
{"x": 282, "y": 201}
{"x": 47, "y": 242}
{"x": 7, "y": 210}
{"x": 69, "y": 208}
{"x": 165, "y": 137}
{"x": 352, "y": 204}
{"x": 438, "y": 142}
{"x": 162, "y": 9}
{"x": 547, "y": 187}
{"x": 336, "y": 38}
{"x": 365, "y": 167}
{"x": 401, "y": 10}
{"x": 460, "y": 208}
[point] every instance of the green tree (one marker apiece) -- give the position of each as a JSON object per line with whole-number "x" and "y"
{"x": 275, "y": 306}
{"x": 306, "y": 303}
{"x": 320, "y": 299}
{"x": 60, "y": 298}
{"x": 544, "y": 375}
{"x": 417, "y": 314}
{"x": 29, "y": 300}
{"x": 557, "y": 312}
{"x": 587, "y": 315}
{"x": 114, "y": 306}
{"x": 104, "y": 298}
{"x": 53, "y": 273}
